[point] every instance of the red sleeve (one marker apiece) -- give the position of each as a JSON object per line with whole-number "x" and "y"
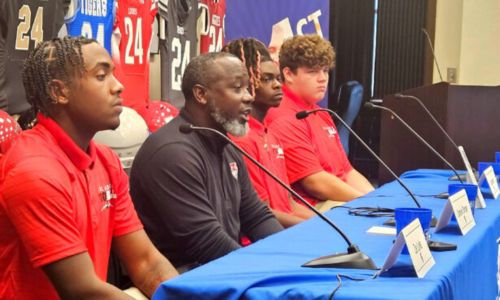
{"x": 37, "y": 199}
{"x": 256, "y": 175}
{"x": 125, "y": 218}
{"x": 301, "y": 159}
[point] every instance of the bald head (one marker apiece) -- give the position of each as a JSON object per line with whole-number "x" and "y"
{"x": 201, "y": 70}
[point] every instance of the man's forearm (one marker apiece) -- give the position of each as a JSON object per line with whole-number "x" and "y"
{"x": 325, "y": 186}
{"x": 74, "y": 278}
{"x": 285, "y": 219}
{"x": 146, "y": 266}
{"x": 154, "y": 274}
{"x": 301, "y": 211}
{"x": 359, "y": 182}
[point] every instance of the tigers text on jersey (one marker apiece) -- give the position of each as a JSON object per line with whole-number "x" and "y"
{"x": 177, "y": 45}
{"x": 130, "y": 49}
{"x": 92, "y": 19}
{"x": 27, "y": 23}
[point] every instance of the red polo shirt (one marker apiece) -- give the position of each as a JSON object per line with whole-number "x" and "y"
{"x": 265, "y": 147}
{"x": 57, "y": 201}
{"x": 311, "y": 145}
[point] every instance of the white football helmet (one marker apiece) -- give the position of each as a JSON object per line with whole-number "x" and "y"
{"x": 9, "y": 129}
{"x": 127, "y": 138}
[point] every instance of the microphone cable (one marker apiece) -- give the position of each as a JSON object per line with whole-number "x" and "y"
{"x": 371, "y": 212}
{"x": 339, "y": 284}
{"x": 366, "y": 211}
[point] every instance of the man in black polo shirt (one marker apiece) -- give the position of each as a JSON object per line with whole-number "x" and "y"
{"x": 192, "y": 191}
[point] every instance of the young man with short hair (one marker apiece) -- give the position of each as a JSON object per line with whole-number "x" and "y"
{"x": 317, "y": 165}
{"x": 64, "y": 199}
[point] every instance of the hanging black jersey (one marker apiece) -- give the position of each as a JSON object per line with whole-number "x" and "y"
{"x": 177, "y": 45}
{"x": 28, "y": 22}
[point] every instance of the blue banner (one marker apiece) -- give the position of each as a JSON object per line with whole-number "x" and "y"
{"x": 272, "y": 21}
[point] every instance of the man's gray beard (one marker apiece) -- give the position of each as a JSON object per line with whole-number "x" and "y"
{"x": 233, "y": 127}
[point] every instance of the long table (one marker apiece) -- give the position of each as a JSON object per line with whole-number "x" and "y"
{"x": 271, "y": 268}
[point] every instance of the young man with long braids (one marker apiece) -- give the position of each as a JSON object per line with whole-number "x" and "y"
{"x": 64, "y": 199}
{"x": 260, "y": 143}
{"x": 317, "y": 165}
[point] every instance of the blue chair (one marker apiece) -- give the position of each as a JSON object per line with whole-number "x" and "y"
{"x": 350, "y": 98}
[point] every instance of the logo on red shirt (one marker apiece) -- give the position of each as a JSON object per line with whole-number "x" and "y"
{"x": 280, "y": 154}
{"x": 107, "y": 194}
{"x": 330, "y": 130}
{"x": 234, "y": 169}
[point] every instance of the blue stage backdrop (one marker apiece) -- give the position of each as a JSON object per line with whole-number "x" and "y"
{"x": 272, "y": 21}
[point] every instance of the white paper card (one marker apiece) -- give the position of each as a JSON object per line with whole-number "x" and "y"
{"x": 413, "y": 236}
{"x": 471, "y": 178}
{"x": 393, "y": 254}
{"x": 382, "y": 230}
{"x": 491, "y": 180}
{"x": 420, "y": 253}
{"x": 468, "y": 167}
{"x": 463, "y": 213}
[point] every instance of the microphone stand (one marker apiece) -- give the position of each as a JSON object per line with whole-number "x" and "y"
{"x": 402, "y": 96}
{"x": 432, "y": 51}
{"x": 371, "y": 105}
{"x": 434, "y": 246}
{"x": 353, "y": 259}
{"x": 390, "y": 222}
{"x": 304, "y": 114}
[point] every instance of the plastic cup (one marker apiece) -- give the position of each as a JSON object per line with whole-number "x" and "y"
{"x": 405, "y": 216}
{"x": 470, "y": 190}
{"x": 481, "y": 166}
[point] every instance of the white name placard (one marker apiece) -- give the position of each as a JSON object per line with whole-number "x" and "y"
{"x": 471, "y": 178}
{"x": 413, "y": 236}
{"x": 457, "y": 204}
{"x": 491, "y": 179}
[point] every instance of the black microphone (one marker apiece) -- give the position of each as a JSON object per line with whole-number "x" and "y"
{"x": 371, "y": 106}
{"x": 435, "y": 246}
{"x": 433, "y": 118}
{"x": 402, "y": 96}
{"x": 353, "y": 259}
{"x": 303, "y": 114}
{"x": 186, "y": 128}
{"x": 432, "y": 51}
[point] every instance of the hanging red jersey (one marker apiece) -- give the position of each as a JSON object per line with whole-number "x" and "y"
{"x": 212, "y": 15}
{"x": 130, "y": 48}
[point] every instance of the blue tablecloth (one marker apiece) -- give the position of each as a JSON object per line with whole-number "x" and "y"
{"x": 271, "y": 268}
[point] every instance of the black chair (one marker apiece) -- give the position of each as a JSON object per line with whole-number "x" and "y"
{"x": 349, "y": 100}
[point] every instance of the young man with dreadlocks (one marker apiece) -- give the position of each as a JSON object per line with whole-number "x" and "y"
{"x": 260, "y": 143}
{"x": 64, "y": 199}
{"x": 317, "y": 165}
